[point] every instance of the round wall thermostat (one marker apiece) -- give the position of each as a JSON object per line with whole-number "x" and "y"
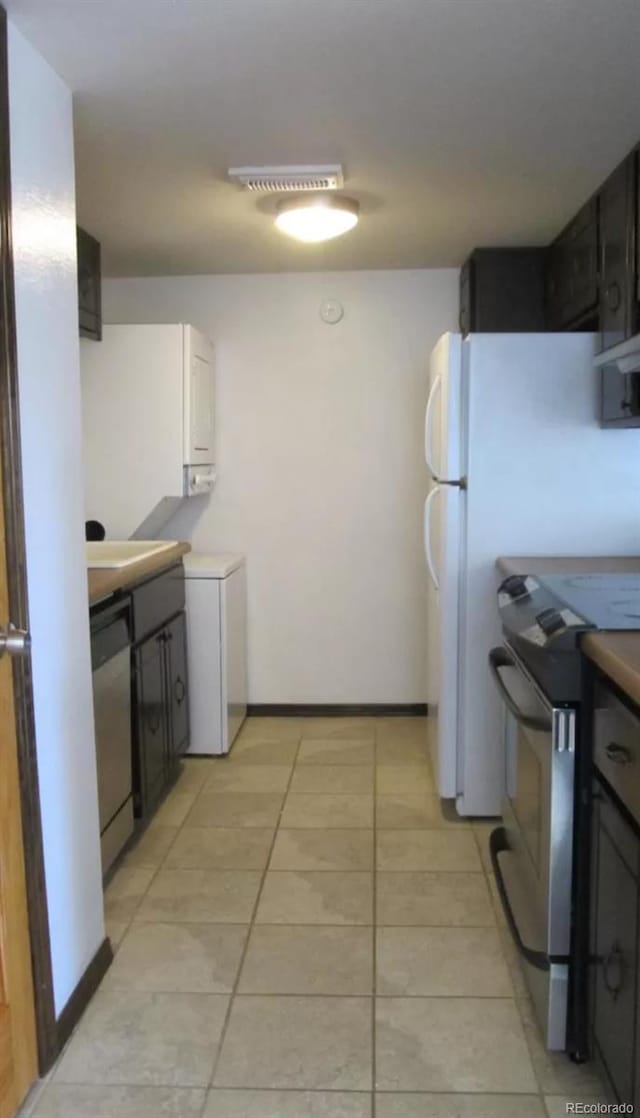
{"x": 331, "y": 311}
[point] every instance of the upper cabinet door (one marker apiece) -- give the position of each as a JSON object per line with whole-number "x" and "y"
{"x": 617, "y": 254}
{"x": 571, "y": 279}
{"x": 89, "y": 287}
{"x": 199, "y": 410}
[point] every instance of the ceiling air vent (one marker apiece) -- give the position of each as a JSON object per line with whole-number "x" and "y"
{"x": 282, "y": 180}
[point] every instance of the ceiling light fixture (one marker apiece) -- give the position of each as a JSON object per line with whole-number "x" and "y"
{"x": 317, "y": 219}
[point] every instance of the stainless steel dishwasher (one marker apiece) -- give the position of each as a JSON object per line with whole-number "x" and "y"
{"x": 111, "y": 666}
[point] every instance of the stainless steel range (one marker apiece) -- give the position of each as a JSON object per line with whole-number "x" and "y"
{"x": 538, "y": 672}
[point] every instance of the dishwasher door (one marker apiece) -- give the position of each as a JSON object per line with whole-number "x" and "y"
{"x": 111, "y": 662}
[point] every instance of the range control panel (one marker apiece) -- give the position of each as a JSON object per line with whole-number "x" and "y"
{"x": 530, "y": 612}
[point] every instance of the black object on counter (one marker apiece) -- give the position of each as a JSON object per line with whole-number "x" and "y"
{"x": 94, "y": 531}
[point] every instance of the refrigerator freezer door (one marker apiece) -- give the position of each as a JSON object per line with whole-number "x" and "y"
{"x": 443, "y": 447}
{"x": 443, "y": 522}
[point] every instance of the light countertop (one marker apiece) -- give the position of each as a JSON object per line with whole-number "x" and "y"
{"x": 557, "y": 564}
{"x": 104, "y": 581}
{"x": 618, "y": 656}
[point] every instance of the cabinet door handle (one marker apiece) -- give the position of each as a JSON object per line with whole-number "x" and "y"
{"x": 619, "y": 754}
{"x": 613, "y": 296}
{"x": 613, "y": 970}
{"x": 179, "y": 691}
{"x": 154, "y": 717}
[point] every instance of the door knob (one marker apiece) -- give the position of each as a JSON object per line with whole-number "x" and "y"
{"x": 14, "y": 642}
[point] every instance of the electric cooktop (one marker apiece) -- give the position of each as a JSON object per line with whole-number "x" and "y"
{"x": 603, "y": 601}
{"x": 544, "y": 616}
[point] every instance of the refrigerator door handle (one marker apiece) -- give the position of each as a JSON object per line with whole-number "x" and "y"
{"x": 436, "y": 387}
{"x": 427, "y": 537}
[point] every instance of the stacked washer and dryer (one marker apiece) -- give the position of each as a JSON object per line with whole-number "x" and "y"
{"x": 216, "y": 592}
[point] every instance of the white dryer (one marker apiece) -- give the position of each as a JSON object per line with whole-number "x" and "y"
{"x": 216, "y": 592}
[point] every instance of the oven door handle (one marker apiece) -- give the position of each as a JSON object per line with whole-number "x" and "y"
{"x": 497, "y": 844}
{"x": 499, "y": 658}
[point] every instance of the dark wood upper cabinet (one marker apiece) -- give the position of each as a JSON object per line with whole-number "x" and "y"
{"x": 89, "y": 286}
{"x": 502, "y": 291}
{"x": 571, "y": 274}
{"x": 618, "y": 281}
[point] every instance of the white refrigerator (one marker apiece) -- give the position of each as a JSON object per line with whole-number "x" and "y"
{"x": 518, "y": 465}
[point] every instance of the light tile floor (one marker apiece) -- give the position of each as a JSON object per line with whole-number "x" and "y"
{"x": 305, "y": 932}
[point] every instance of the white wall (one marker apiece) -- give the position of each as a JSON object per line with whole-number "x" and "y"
{"x": 319, "y": 435}
{"x": 42, "y": 174}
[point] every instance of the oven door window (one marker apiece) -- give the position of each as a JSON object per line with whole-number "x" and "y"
{"x": 529, "y": 745}
{"x": 528, "y": 759}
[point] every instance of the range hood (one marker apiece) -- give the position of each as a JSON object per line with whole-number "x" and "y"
{"x": 625, "y": 356}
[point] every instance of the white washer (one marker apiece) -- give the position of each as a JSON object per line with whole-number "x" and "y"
{"x": 216, "y": 592}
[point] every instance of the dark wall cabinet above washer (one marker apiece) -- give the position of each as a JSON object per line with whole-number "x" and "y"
{"x": 89, "y": 286}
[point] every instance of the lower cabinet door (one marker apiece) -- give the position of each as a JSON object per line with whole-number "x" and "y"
{"x": 614, "y": 957}
{"x": 177, "y": 686}
{"x": 151, "y": 720}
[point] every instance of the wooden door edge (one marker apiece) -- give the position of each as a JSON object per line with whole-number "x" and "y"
{"x": 46, "y": 1028}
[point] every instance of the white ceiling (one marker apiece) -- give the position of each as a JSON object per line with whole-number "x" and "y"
{"x": 459, "y": 122}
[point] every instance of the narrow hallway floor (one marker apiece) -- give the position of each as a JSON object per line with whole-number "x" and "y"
{"x": 303, "y": 932}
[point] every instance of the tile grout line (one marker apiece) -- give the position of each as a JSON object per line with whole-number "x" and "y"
{"x": 375, "y": 926}
{"x": 250, "y": 927}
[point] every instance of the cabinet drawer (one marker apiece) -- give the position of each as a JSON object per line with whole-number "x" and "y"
{"x": 617, "y": 747}
{"x": 155, "y": 601}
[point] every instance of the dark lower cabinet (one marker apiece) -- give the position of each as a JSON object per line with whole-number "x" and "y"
{"x": 614, "y": 945}
{"x": 176, "y": 646}
{"x": 160, "y": 685}
{"x": 151, "y": 741}
{"x": 161, "y": 710}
